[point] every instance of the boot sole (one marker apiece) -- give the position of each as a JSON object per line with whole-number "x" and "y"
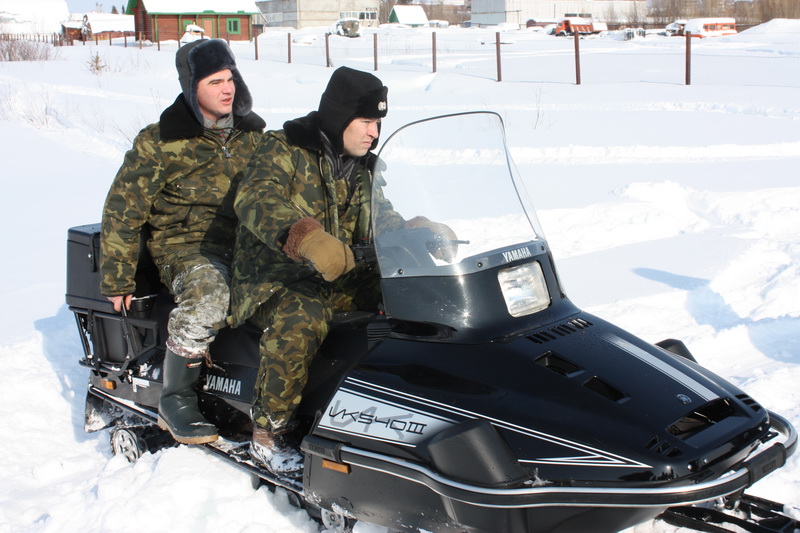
{"x": 203, "y": 439}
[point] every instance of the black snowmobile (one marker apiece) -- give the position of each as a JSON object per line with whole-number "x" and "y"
{"x": 478, "y": 397}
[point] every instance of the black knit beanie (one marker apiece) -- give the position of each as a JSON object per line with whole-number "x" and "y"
{"x": 199, "y": 59}
{"x": 350, "y": 94}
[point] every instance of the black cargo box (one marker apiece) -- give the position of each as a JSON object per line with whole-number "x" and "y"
{"x": 83, "y": 272}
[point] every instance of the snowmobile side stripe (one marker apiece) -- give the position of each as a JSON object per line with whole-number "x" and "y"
{"x": 592, "y": 457}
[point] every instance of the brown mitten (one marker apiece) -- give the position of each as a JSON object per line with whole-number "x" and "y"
{"x": 448, "y": 251}
{"x": 308, "y": 240}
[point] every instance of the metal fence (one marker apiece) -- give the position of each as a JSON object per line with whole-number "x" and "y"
{"x": 516, "y": 56}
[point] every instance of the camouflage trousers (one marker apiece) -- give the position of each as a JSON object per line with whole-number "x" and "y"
{"x": 201, "y": 287}
{"x": 295, "y": 322}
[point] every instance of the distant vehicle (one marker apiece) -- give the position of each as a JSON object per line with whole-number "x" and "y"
{"x": 583, "y": 26}
{"x": 675, "y": 29}
{"x": 711, "y": 27}
{"x": 346, "y": 27}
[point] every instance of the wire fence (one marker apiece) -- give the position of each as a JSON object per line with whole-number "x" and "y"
{"x": 516, "y": 57}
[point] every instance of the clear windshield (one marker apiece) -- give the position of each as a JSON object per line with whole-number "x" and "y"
{"x": 461, "y": 201}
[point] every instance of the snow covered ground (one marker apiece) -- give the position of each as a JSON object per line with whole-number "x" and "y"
{"x": 673, "y": 211}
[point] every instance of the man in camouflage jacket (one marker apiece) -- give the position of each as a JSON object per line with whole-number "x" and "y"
{"x": 176, "y": 186}
{"x": 303, "y": 201}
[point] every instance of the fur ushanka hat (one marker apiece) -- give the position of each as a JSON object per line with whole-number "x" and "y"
{"x": 199, "y": 59}
{"x": 350, "y": 93}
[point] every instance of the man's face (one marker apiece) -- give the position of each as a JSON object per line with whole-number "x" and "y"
{"x": 359, "y": 135}
{"x": 215, "y": 94}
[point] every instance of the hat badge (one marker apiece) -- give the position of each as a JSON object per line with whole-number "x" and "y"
{"x": 382, "y": 105}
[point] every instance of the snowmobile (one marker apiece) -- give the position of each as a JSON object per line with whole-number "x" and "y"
{"x": 477, "y": 397}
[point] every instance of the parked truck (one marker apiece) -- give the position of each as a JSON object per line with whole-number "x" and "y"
{"x": 580, "y": 25}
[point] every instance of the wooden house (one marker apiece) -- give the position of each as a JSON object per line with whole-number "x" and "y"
{"x": 165, "y": 20}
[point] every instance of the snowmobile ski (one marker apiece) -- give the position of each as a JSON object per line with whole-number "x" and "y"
{"x": 745, "y": 513}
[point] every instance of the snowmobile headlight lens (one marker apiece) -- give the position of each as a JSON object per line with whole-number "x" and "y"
{"x": 524, "y": 289}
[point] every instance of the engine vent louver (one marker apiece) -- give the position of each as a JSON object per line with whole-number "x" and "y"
{"x": 557, "y": 364}
{"x": 701, "y": 418}
{"x": 663, "y": 448}
{"x": 749, "y": 402}
{"x": 605, "y": 389}
{"x": 561, "y": 330}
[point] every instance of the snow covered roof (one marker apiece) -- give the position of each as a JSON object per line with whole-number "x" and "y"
{"x": 411, "y": 15}
{"x": 100, "y": 22}
{"x": 24, "y": 16}
{"x": 175, "y": 7}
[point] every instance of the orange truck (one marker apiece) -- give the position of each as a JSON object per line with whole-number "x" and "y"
{"x": 583, "y": 26}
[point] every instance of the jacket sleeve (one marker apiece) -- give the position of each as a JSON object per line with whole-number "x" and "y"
{"x": 132, "y": 194}
{"x": 264, "y": 199}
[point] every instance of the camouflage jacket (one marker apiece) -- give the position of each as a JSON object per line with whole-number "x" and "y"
{"x": 290, "y": 178}
{"x": 176, "y": 183}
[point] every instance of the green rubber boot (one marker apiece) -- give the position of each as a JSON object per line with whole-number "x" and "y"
{"x": 178, "y": 411}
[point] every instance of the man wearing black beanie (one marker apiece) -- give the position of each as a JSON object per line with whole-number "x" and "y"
{"x": 175, "y": 189}
{"x": 303, "y": 201}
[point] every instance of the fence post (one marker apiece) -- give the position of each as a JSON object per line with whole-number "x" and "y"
{"x": 497, "y": 45}
{"x": 125, "y": 40}
{"x": 328, "y": 50}
{"x": 375, "y": 51}
{"x": 289, "y": 46}
{"x": 688, "y": 58}
{"x": 433, "y": 50}
{"x": 577, "y": 57}
{"x": 255, "y": 41}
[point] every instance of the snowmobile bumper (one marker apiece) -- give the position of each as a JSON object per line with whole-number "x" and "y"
{"x": 768, "y": 457}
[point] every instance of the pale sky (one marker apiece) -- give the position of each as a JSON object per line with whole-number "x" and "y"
{"x": 83, "y": 6}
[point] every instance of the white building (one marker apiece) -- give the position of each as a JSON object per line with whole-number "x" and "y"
{"x": 309, "y": 13}
{"x": 492, "y": 12}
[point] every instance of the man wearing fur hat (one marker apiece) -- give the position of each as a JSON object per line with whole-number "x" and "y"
{"x": 175, "y": 188}
{"x": 303, "y": 201}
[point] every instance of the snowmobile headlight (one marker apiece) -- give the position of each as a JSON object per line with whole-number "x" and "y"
{"x": 524, "y": 289}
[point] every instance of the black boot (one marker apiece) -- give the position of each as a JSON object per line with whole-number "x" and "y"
{"x": 178, "y": 411}
{"x": 271, "y": 449}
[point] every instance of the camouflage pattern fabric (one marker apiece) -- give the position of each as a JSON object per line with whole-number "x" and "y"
{"x": 201, "y": 288}
{"x": 178, "y": 186}
{"x": 295, "y": 322}
{"x": 284, "y": 183}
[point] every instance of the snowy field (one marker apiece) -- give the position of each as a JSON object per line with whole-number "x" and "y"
{"x": 673, "y": 211}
